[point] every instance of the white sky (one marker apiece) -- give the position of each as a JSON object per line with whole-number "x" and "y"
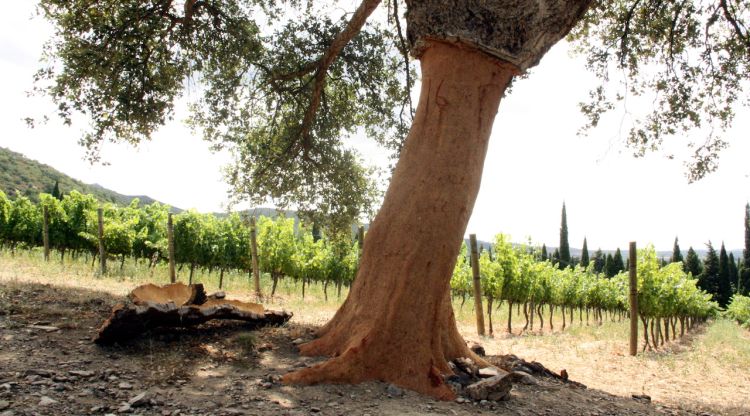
{"x": 535, "y": 161}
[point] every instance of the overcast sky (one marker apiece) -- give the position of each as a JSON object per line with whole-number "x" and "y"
{"x": 535, "y": 161}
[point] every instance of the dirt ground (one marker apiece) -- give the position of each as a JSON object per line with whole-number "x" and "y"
{"x": 49, "y": 366}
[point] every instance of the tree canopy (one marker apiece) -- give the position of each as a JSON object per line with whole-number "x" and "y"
{"x": 284, "y": 84}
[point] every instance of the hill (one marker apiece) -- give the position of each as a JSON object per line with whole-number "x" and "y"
{"x": 30, "y": 178}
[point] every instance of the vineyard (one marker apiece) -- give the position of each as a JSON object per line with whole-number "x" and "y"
{"x": 200, "y": 240}
{"x": 670, "y": 303}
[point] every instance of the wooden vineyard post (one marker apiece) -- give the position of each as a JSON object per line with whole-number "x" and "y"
{"x": 254, "y": 257}
{"x": 633, "y": 299}
{"x": 45, "y": 232}
{"x": 102, "y": 254}
{"x": 477, "y": 284}
{"x": 170, "y": 239}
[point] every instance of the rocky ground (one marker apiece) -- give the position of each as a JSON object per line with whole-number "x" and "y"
{"x": 49, "y": 366}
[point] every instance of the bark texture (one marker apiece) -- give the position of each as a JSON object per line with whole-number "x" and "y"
{"x": 516, "y": 31}
{"x": 397, "y": 323}
{"x": 178, "y": 305}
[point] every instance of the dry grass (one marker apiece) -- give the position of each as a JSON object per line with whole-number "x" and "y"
{"x": 709, "y": 369}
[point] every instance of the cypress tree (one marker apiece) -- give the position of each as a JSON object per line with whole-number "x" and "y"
{"x": 692, "y": 264}
{"x": 556, "y": 258}
{"x": 709, "y": 279}
{"x": 745, "y": 270}
{"x": 609, "y": 265}
{"x": 724, "y": 284}
{"x": 585, "y": 254}
{"x": 734, "y": 274}
{"x": 564, "y": 246}
{"x": 544, "y": 252}
{"x": 56, "y": 191}
{"x": 676, "y": 254}
{"x": 598, "y": 261}
{"x": 619, "y": 265}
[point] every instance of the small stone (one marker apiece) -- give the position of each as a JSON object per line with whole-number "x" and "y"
{"x": 493, "y": 388}
{"x": 394, "y": 390}
{"x": 45, "y": 328}
{"x": 483, "y": 402}
{"x": 298, "y": 341}
{"x": 8, "y": 413}
{"x": 488, "y": 372}
{"x": 642, "y": 397}
{"x": 219, "y": 295}
{"x": 315, "y": 409}
{"x": 478, "y": 349}
{"x": 125, "y": 385}
{"x": 139, "y": 400}
{"x": 81, "y": 373}
{"x": 39, "y": 372}
{"x": 526, "y": 378}
{"x": 125, "y": 408}
{"x": 46, "y": 401}
{"x": 4, "y": 404}
{"x": 460, "y": 400}
{"x": 96, "y": 409}
{"x": 265, "y": 347}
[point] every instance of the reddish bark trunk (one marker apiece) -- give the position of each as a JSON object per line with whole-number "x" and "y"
{"x": 397, "y": 323}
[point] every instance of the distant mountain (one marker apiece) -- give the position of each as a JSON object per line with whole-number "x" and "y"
{"x": 30, "y": 178}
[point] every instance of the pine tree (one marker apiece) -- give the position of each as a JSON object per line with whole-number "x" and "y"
{"x": 564, "y": 246}
{"x": 692, "y": 264}
{"x": 709, "y": 279}
{"x": 544, "y": 252}
{"x": 676, "y": 254}
{"x": 619, "y": 265}
{"x": 724, "y": 284}
{"x": 585, "y": 254}
{"x": 598, "y": 261}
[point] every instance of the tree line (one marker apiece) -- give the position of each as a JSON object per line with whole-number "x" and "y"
{"x": 201, "y": 240}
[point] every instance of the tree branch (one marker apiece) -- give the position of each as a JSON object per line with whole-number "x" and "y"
{"x": 342, "y": 39}
{"x": 735, "y": 24}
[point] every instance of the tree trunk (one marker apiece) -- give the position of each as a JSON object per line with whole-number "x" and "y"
{"x": 526, "y": 315}
{"x": 645, "y": 333}
{"x": 275, "y": 278}
{"x": 551, "y": 311}
{"x": 541, "y": 319}
{"x": 221, "y": 278}
{"x": 413, "y": 242}
{"x": 192, "y": 269}
{"x": 303, "y": 289}
{"x": 563, "y": 313}
{"x": 682, "y": 326}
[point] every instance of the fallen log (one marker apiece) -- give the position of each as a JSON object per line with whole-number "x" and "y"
{"x": 178, "y": 305}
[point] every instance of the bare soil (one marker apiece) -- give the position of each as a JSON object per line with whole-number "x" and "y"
{"x": 49, "y": 366}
